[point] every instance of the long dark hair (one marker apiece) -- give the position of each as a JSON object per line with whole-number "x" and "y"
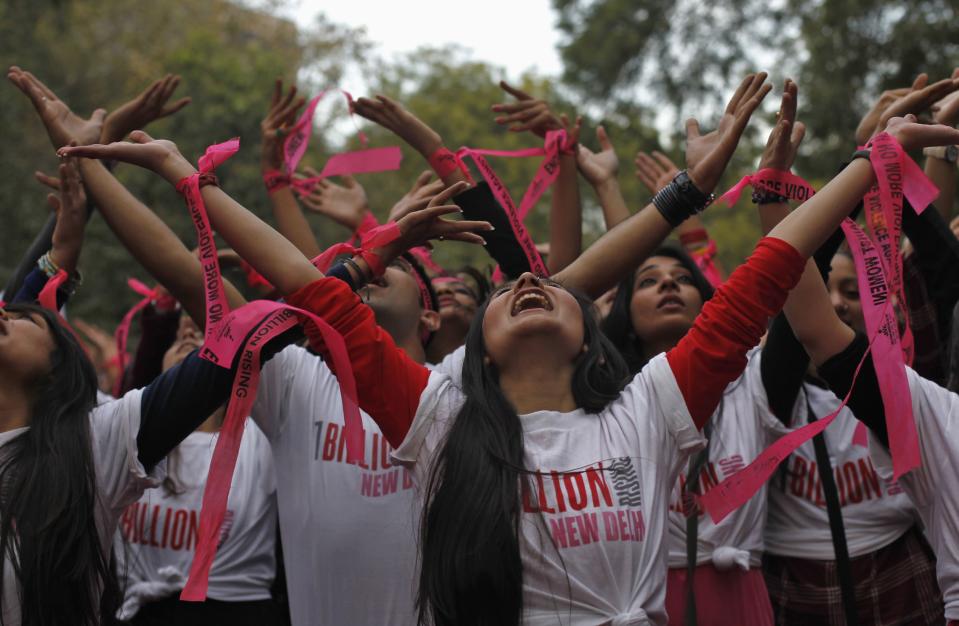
{"x": 48, "y": 496}
{"x": 471, "y": 573}
{"x": 618, "y": 325}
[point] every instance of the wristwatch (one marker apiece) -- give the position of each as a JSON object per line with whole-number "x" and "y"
{"x": 949, "y": 154}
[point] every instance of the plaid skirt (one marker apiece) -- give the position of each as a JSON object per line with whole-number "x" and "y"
{"x": 895, "y": 586}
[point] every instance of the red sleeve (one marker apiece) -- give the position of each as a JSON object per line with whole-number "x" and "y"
{"x": 713, "y": 352}
{"x": 388, "y": 382}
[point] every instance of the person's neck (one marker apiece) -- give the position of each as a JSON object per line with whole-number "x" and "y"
{"x": 447, "y": 339}
{"x": 412, "y": 346}
{"x": 15, "y": 406}
{"x": 535, "y": 383}
{"x": 665, "y": 343}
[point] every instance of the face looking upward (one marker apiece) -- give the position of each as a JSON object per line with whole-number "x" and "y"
{"x": 529, "y": 313}
{"x": 844, "y": 292}
{"x": 189, "y": 337}
{"x": 457, "y": 303}
{"x": 26, "y": 345}
{"x": 397, "y": 302}
{"x": 665, "y": 300}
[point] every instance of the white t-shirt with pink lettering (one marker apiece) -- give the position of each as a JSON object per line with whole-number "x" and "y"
{"x": 875, "y": 510}
{"x": 157, "y": 534}
{"x": 593, "y": 541}
{"x": 348, "y": 532}
{"x": 741, "y": 428}
{"x": 933, "y": 487}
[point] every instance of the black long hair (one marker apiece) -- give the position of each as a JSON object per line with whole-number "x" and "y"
{"x": 471, "y": 573}
{"x": 618, "y": 325}
{"x": 48, "y": 496}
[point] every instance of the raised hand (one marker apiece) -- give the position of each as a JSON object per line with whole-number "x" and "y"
{"x": 946, "y": 111}
{"x": 273, "y": 127}
{"x": 417, "y": 197}
{"x": 147, "y": 107}
{"x": 62, "y": 124}
{"x": 916, "y": 101}
{"x": 159, "y": 155}
{"x": 869, "y": 122}
{"x": 70, "y": 206}
{"x": 345, "y": 204}
{"x": 656, "y": 171}
{"x": 598, "y": 167}
{"x": 707, "y": 155}
{"x": 786, "y": 135}
{"x": 424, "y": 223}
{"x": 392, "y": 116}
{"x": 527, "y": 113}
{"x": 912, "y": 135}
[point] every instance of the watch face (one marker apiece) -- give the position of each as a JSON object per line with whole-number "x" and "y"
{"x": 952, "y": 153}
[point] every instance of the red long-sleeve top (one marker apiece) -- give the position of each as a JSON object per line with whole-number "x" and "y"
{"x": 706, "y": 360}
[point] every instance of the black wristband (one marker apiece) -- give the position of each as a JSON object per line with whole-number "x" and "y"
{"x": 340, "y": 271}
{"x": 680, "y": 200}
{"x": 861, "y": 154}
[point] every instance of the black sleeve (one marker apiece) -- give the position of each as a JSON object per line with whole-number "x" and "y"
{"x": 937, "y": 251}
{"x": 181, "y": 398}
{"x": 866, "y": 400}
{"x": 784, "y": 360}
{"x": 478, "y": 203}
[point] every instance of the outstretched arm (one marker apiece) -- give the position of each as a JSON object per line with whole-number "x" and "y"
{"x": 290, "y": 220}
{"x": 566, "y": 210}
{"x": 603, "y": 264}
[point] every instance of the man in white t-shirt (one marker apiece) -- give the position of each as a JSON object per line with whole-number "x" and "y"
{"x": 348, "y": 532}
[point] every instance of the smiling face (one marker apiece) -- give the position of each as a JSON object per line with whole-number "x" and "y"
{"x": 844, "y": 292}
{"x": 665, "y": 300}
{"x": 456, "y": 301}
{"x": 188, "y": 338}
{"x": 26, "y": 345}
{"x": 532, "y": 309}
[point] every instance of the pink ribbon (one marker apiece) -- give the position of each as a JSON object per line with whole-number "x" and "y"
{"x": 245, "y": 331}
{"x": 48, "y": 295}
{"x": 777, "y": 181}
{"x": 545, "y": 176}
{"x": 897, "y": 175}
{"x": 704, "y": 261}
{"x": 122, "y": 332}
{"x": 356, "y": 162}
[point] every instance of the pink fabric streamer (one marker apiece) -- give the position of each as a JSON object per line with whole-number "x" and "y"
{"x": 776, "y": 181}
{"x": 545, "y": 176}
{"x": 897, "y": 175}
{"x": 704, "y": 261}
{"x": 122, "y": 332}
{"x": 860, "y": 437}
{"x": 245, "y": 331}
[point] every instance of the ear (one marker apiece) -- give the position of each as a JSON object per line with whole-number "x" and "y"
{"x": 430, "y": 321}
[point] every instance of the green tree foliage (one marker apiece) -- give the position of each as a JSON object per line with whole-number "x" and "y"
{"x": 681, "y": 58}
{"x": 99, "y": 53}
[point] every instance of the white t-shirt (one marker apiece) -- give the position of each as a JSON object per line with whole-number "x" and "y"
{"x": 742, "y": 427}
{"x": 120, "y": 478}
{"x": 158, "y": 533}
{"x": 875, "y": 511}
{"x": 346, "y": 529}
{"x": 933, "y": 487}
{"x": 593, "y": 542}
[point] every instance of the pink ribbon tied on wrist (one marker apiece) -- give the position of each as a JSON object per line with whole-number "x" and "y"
{"x": 239, "y": 335}
{"x": 897, "y": 176}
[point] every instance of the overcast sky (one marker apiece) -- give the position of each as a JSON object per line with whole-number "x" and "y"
{"x": 515, "y": 34}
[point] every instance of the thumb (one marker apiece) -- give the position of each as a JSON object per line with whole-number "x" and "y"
{"x": 98, "y": 115}
{"x": 348, "y": 181}
{"x": 692, "y": 129}
{"x": 603, "y": 138}
{"x": 53, "y": 200}
{"x": 139, "y": 136}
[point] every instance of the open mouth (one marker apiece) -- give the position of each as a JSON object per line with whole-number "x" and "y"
{"x": 530, "y": 300}
{"x": 445, "y": 301}
{"x": 671, "y": 301}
